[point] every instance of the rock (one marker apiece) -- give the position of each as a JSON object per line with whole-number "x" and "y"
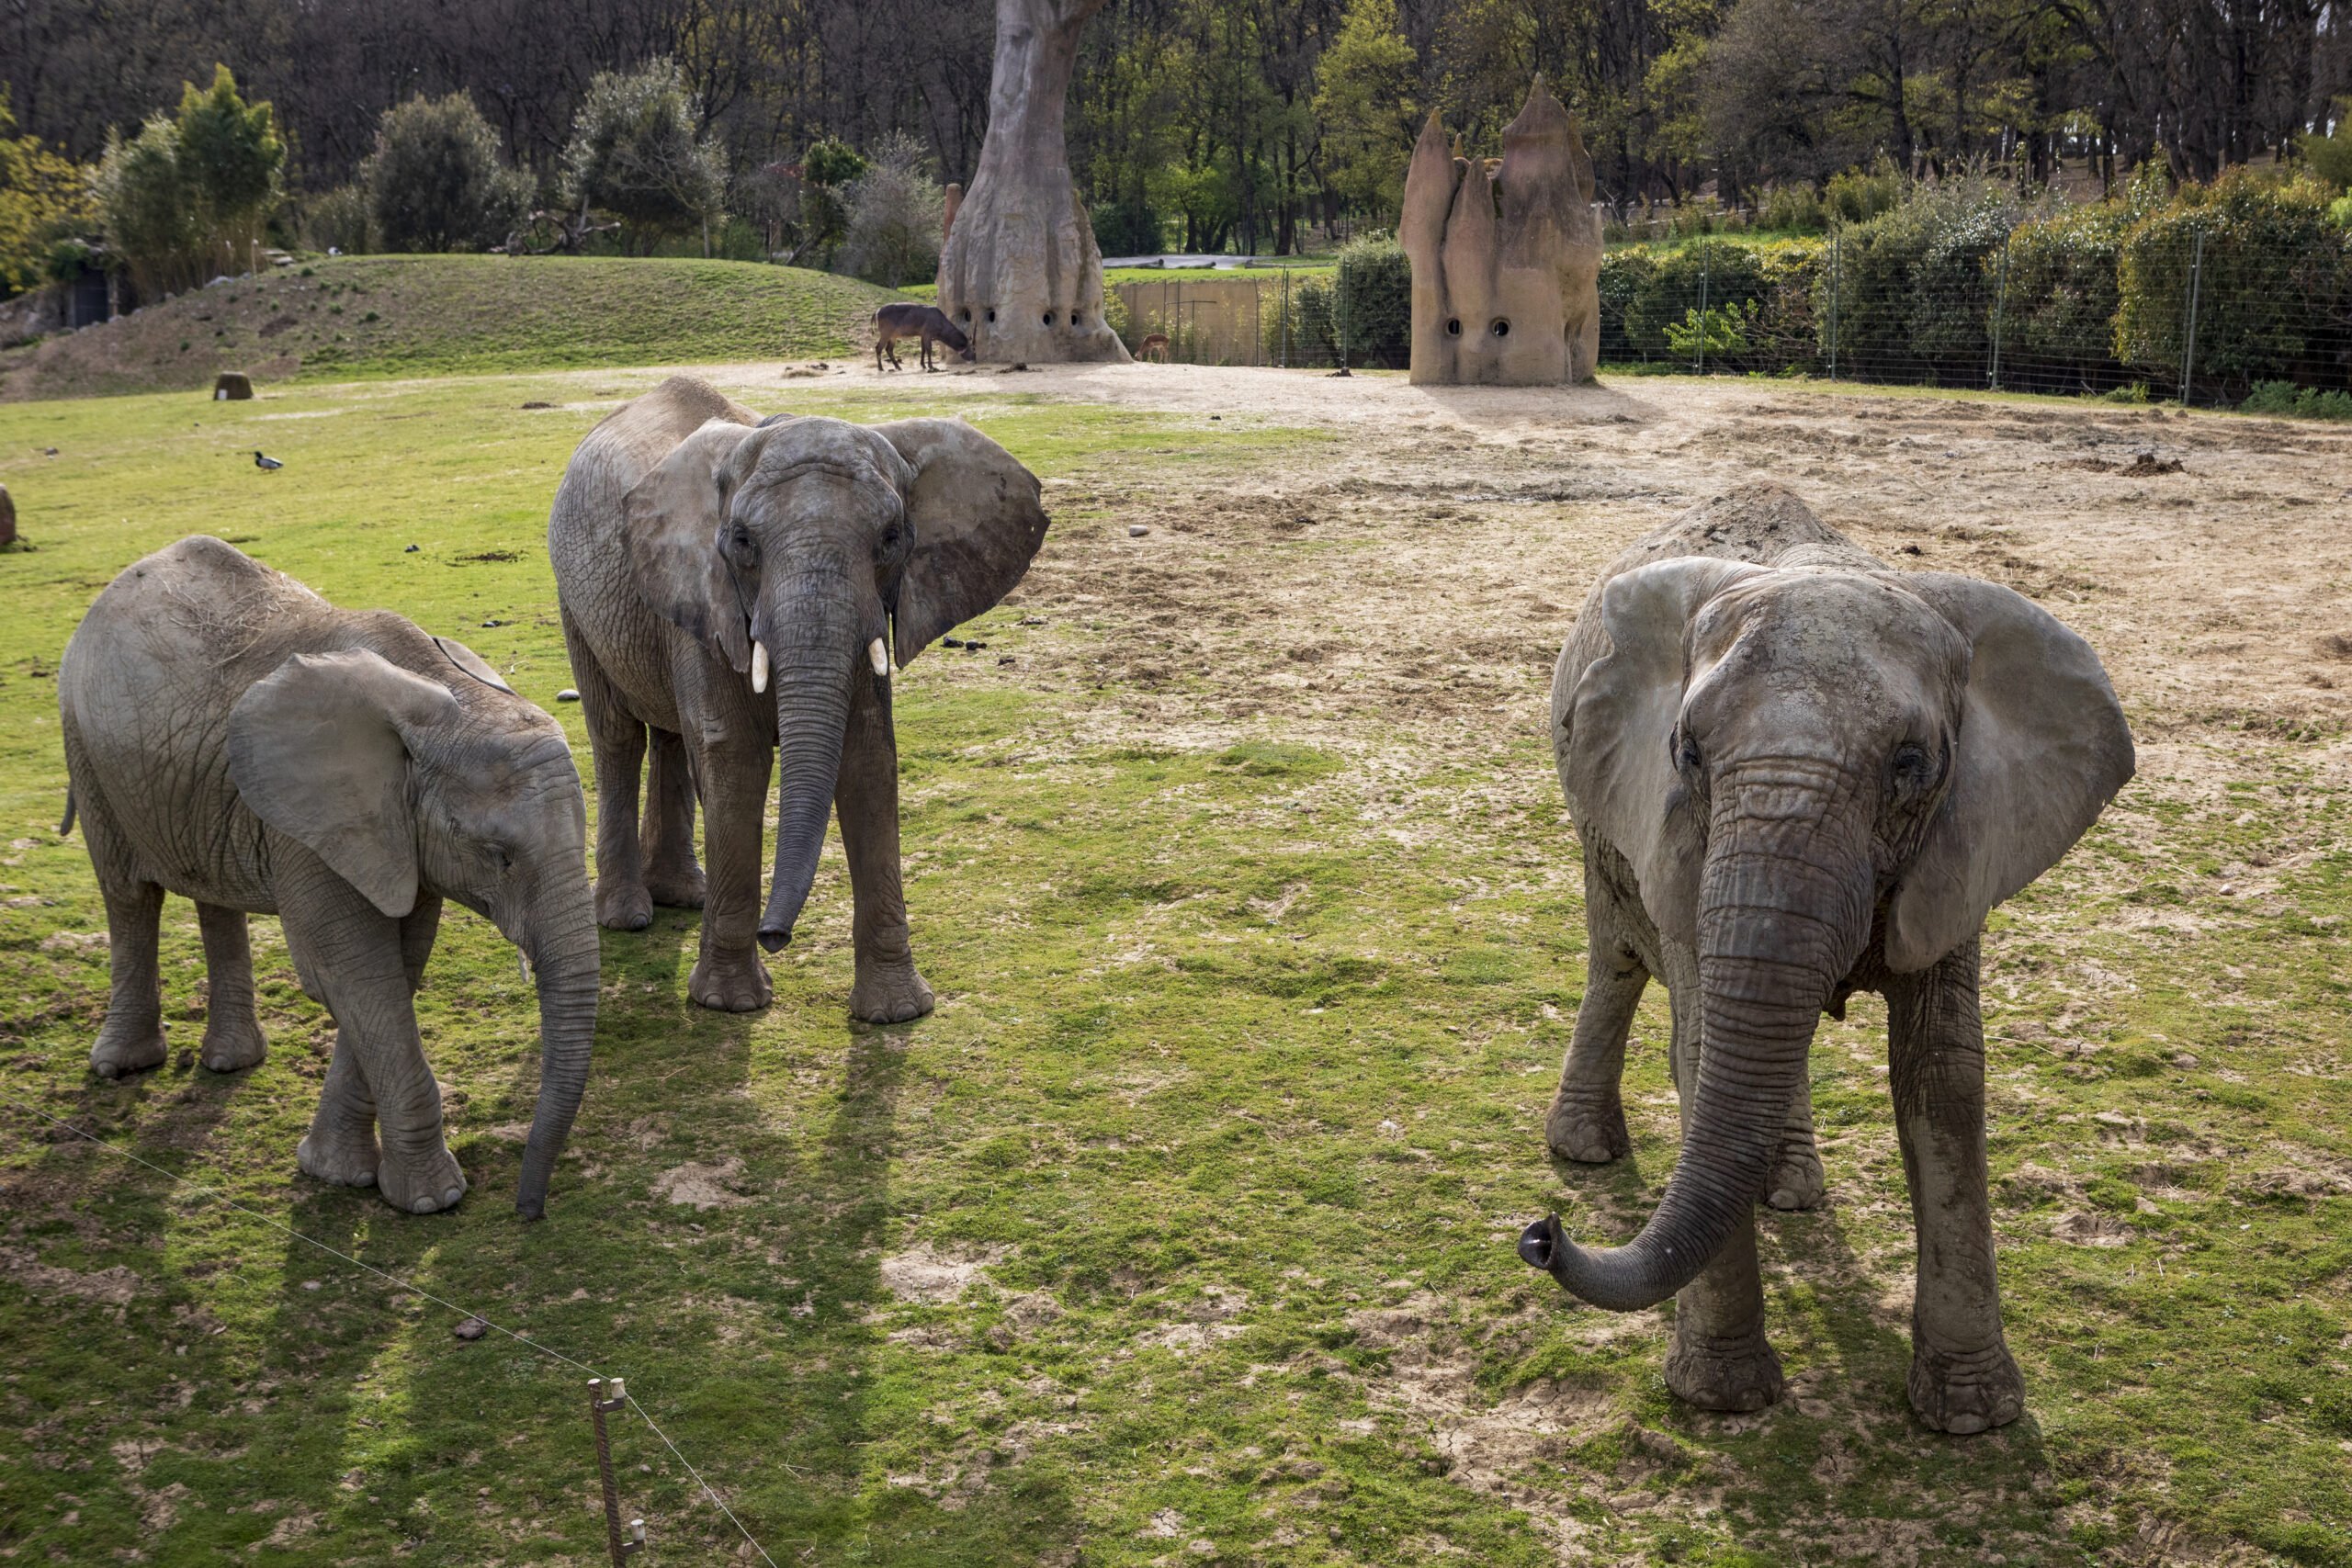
{"x": 232, "y": 387}
{"x": 1506, "y": 255}
{"x": 568, "y": 694}
{"x": 8, "y": 518}
{"x": 1136, "y": 530}
{"x": 473, "y": 1329}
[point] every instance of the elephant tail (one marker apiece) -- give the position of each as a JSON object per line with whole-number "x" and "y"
{"x": 67, "y": 826}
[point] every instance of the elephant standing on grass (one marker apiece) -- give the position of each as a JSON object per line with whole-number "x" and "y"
{"x": 1798, "y": 774}
{"x": 735, "y": 589}
{"x": 234, "y": 738}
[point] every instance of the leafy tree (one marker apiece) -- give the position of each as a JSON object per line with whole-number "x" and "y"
{"x": 2330, "y": 156}
{"x": 43, "y": 196}
{"x": 1368, "y": 106}
{"x": 635, "y": 152}
{"x": 148, "y": 209}
{"x": 191, "y": 197}
{"x": 895, "y": 210}
{"x": 435, "y": 182}
{"x": 231, "y": 157}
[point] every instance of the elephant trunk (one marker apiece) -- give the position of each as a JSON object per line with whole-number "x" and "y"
{"x": 1785, "y": 911}
{"x": 563, "y": 950}
{"x": 817, "y": 645}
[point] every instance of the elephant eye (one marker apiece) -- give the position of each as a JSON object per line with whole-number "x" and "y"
{"x": 1914, "y": 766}
{"x": 1684, "y": 751}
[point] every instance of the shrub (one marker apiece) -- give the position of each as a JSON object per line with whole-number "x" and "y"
{"x": 633, "y": 154}
{"x": 1913, "y": 296}
{"x": 894, "y": 212}
{"x": 338, "y": 220}
{"x": 1623, "y": 275}
{"x": 2302, "y": 402}
{"x": 1373, "y": 303}
{"x": 1785, "y": 338}
{"x": 2057, "y": 315}
{"x": 435, "y": 181}
{"x": 2330, "y": 156}
{"x": 1313, "y": 322}
{"x": 1792, "y": 209}
{"x": 1858, "y": 195}
{"x": 1127, "y": 227}
{"x": 2273, "y": 266}
{"x": 149, "y": 210}
{"x": 230, "y": 156}
{"x": 1706, "y": 274}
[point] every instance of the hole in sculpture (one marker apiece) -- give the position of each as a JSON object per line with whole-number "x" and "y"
{"x": 1453, "y": 327}
{"x": 1501, "y": 328}
{"x": 992, "y": 312}
{"x": 1050, "y": 318}
{"x": 965, "y": 314}
{"x": 1073, "y": 317}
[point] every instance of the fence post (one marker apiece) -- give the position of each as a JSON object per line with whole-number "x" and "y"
{"x": 1700, "y": 367}
{"x": 2001, "y": 303}
{"x": 1257, "y": 321}
{"x": 2196, "y": 278}
{"x": 1339, "y": 292}
{"x": 1836, "y": 255}
{"x": 598, "y": 1405}
{"x": 1285, "y": 318}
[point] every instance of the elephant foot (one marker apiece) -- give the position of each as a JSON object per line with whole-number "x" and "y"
{"x": 423, "y": 1183}
{"x": 1589, "y": 1128}
{"x": 339, "y": 1150}
{"x": 1797, "y": 1180}
{"x": 233, "y": 1040}
{"x": 1730, "y": 1375}
{"x": 730, "y": 984}
{"x": 128, "y": 1048}
{"x": 675, "y": 887}
{"x": 623, "y": 906}
{"x": 1964, "y": 1392}
{"x": 889, "y": 993}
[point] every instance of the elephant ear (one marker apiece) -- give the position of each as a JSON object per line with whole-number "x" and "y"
{"x": 978, "y": 522}
{"x": 671, "y": 521}
{"x": 1616, "y": 730}
{"x": 2042, "y": 747}
{"x": 472, "y": 663}
{"x": 319, "y": 749}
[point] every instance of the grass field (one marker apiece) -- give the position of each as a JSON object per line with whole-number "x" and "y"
{"x": 433, "y": 315}
{"x": 1181, "y": 1232}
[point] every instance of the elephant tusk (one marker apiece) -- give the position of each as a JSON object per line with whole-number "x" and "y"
{"x": 878, "y": 656}
{"x": 758, "y": 667}
{"x": 523, "y": 962}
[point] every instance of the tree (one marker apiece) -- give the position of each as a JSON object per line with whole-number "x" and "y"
{"x": 894, "y": 213}
{"x": 635, "y": 152}
{"x": 191, "y": 197}
{"x": 148, "y": 211}
{"x": 43, "y": 196}
{"x": 435, "y": 182}
{"x": 1368, "y": 107}
{"x": 230, "y": 156}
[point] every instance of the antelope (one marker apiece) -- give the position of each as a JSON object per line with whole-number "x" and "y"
{"x": 1154, "y": 347}
{"x": 927, "y": 322}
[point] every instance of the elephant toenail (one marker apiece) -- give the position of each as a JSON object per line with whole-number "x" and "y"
{"x": 422, "y": 1206}
{"x": 449, "y": 1198}
{"x": 365, "y": 1178}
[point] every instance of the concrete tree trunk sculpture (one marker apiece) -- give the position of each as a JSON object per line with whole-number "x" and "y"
{"x": 1020, "y": 272}
{"x": 1506, "y": 255}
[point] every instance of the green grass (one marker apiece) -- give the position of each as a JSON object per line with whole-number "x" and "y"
{"x": 1245, "y": 1032}
{"x": 433, "y": 315}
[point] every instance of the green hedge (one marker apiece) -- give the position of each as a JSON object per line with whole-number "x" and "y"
{"x": 1909, "y": 297}
{"x": 2274, "y": 284}
{"x": 2058, "y": 314}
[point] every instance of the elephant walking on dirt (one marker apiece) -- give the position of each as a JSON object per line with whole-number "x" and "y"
{"x": 234, "y": 738}
{"x": 735, "y": 589}
{"x": 1798, "y": 774}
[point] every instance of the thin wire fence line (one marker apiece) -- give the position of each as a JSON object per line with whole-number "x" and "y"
{"x": 523, "y": 1339}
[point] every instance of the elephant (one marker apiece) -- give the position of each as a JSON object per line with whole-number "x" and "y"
{"x": 233, "y": 738}
{"x": 1797, "y": 774}
{"x": 704, "y": 556}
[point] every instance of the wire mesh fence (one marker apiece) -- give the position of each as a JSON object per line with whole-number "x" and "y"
{"x": 2198, "y": 310}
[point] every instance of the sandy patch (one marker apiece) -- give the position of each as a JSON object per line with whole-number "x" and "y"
{"x": 697, "y": 1186}
{"x": 922, "y": 1274}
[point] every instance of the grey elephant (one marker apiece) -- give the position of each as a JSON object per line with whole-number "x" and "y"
{"x": 734, "y": 590}
{"x": 1796, "y": 775}
{"x": 233, "y": 738}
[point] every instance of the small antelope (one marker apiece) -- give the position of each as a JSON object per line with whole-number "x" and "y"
{"x": 1154, "y": 347}
{"x": 928, "y": 323}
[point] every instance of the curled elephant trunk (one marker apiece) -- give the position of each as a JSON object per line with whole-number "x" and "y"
{"x": 813, "y": 665}
{"x": 564, "y": 952}
{"x": 1784, "y": 911}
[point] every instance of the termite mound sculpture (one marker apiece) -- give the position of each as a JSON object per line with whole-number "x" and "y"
{"x": 1019, "y": 273}
{"x": 1506, "y": 255}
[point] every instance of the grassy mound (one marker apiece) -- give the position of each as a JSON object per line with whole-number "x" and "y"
{"x": 410, "y": 315}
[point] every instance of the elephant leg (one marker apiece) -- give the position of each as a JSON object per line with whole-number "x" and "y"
{"x": 356, "y": 961}
{"x": 671, "y": 876}
{"x": 733, "y": 774}
{"x": 420, "y": 928}
{"x": 889, "y": 988}
{"x": 1962, "y": 1376}
{"x": 1720, "y": 1359}
{"x": 617, "y": 746}
{"x": 232, "y": 1036}
{"x": 132, "y": 1039}
{"x": 1587, "y": 1121}
{"x": 1797, "y": 1179}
